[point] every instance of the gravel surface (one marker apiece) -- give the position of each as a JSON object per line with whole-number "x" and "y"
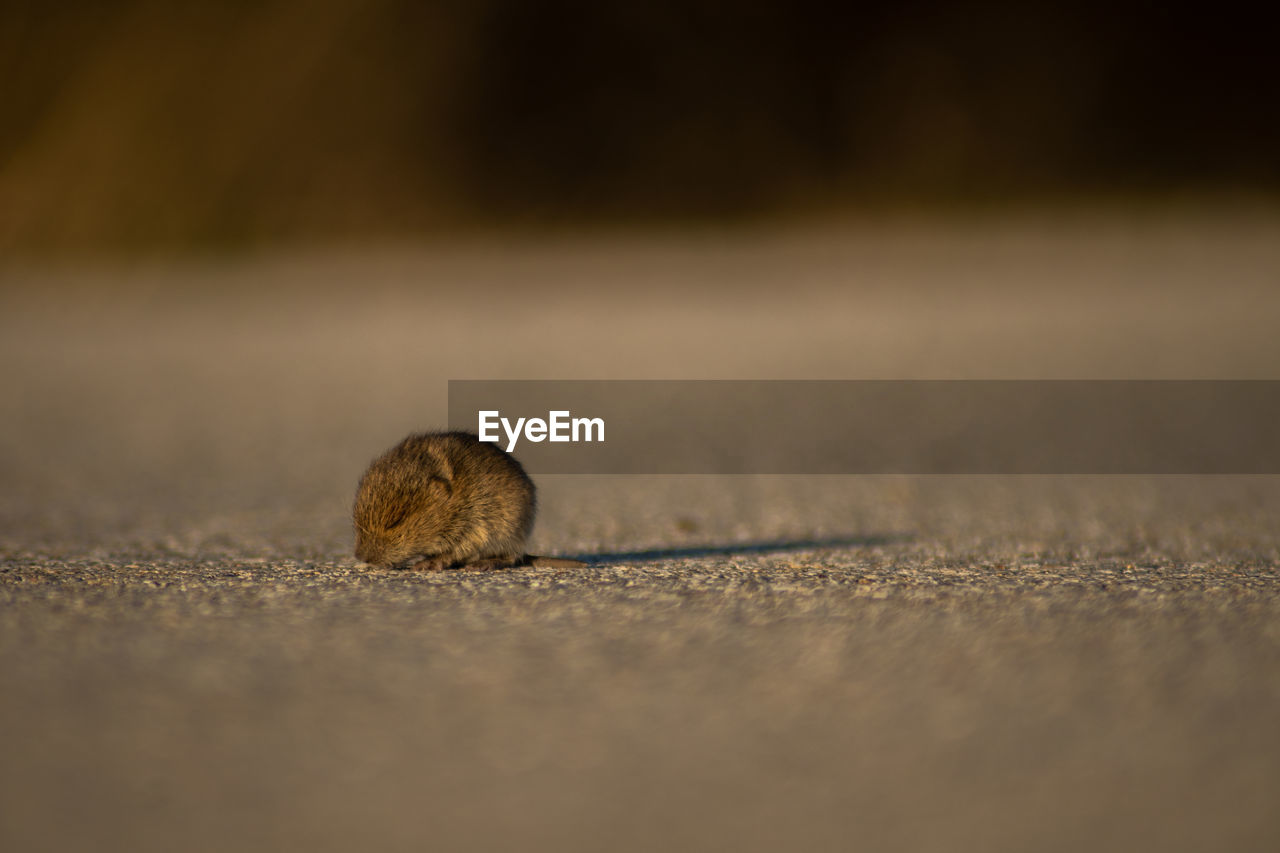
{"x": 190, "y": 659}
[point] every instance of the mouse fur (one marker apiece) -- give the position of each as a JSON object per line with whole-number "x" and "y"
{"x": 446, "y": 500}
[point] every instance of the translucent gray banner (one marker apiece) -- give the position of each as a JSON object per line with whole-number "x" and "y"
{"x": 877, "y": 426}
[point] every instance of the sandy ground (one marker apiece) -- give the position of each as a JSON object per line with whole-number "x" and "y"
{"x": 191, "y": 659}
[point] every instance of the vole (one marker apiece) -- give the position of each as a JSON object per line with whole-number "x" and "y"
{"x": 446, "y": 500}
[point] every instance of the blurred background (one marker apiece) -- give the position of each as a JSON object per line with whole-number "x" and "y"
{"x": 231, "y": 227}
{"x": 133, "y": 124}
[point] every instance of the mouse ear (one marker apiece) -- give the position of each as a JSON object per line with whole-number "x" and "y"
{"x": 443, "y": 467}
{"x": 440, "y": 485}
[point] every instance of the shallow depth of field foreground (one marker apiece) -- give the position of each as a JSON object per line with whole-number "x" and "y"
{"x": 191, "y": 659}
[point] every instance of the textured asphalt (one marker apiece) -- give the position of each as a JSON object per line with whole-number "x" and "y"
{"x": 190, "y": 658}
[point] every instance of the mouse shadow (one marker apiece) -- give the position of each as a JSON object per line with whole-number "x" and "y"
{"x": 769, "y": 546}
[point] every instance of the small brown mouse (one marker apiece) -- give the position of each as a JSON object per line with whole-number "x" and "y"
{"x": 446, "y": 500}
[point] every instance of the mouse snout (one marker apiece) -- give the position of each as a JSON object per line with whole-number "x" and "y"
{"x": 369, "y": 552}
